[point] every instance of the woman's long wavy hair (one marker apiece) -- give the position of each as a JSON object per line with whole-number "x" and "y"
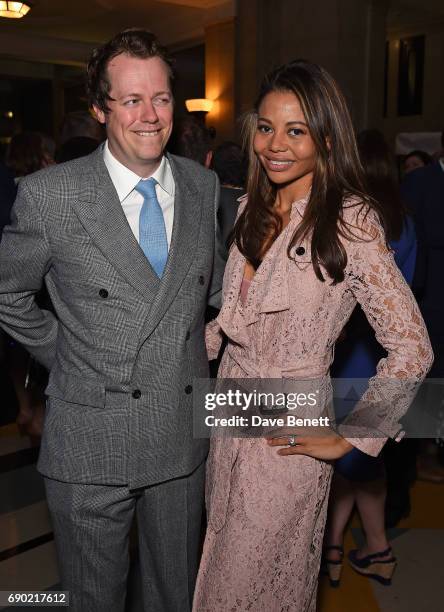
{"x": 338, "y": 173}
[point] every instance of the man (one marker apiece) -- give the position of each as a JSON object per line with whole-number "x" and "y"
{"x": 80, "y": 134}
{"x": 193, "y": 140}
{"x": 230, "y": 164}
{"x": 124, "y": 239}
{"x": 423, "y": 192}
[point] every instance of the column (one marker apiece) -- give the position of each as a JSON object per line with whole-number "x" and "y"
{"x": 219, "y": 77}
{"x": 347, "y": 37}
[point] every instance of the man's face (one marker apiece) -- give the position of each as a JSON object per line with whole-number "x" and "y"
{"x": 140, "y": 117}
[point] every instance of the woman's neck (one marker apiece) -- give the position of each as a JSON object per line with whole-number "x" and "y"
{"x": 292, "y": 192}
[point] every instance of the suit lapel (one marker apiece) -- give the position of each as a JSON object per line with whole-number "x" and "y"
{"x": 101, "y": 214}
{"x": 186, "y": 226}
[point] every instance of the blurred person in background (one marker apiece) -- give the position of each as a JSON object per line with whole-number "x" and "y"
{"x": 191, "y": 139}
{"x": 230, "y": 164}
{"x": 360, "y": 479}
{"x": 80, "y": 134}
{"x": 28, "y": 152}
{"x": 423, "y": 191}
{"x": 8, "y": 191}
{"x": 416, "y": 159}
{"x": 76, "y": 147}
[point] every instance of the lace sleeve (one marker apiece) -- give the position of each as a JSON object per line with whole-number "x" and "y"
{"x": 379, "y": 287}
{"x": 213, "y": 339}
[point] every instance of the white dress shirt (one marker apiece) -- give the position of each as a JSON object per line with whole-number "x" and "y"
{"x": 125, "y": 180}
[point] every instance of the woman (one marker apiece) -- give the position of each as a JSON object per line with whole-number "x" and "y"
{"x": 359, "y": 478}
{"x": 307, "y": 246}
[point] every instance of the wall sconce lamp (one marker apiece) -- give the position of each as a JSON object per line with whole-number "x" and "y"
{"x": 199, "y": 105}
{"x": 14, "y": 10}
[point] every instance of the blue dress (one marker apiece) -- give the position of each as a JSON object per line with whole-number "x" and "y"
{"x": 357, "y": 357}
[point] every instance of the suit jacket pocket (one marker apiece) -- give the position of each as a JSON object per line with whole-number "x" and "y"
{"x": 76, "y": 390}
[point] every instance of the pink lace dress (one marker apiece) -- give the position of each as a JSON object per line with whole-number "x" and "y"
{"x": 266, "y": 513}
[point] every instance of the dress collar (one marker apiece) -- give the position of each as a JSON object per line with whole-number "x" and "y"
{"x": 299, "y": 206}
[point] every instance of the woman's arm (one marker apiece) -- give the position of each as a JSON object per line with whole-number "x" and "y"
{"x": 378, "y": 285}
{"x": 213, "y": 339}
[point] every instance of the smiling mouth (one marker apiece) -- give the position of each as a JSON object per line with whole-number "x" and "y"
{"x": 278, "y": 165}
{"x": 145, "y": 134}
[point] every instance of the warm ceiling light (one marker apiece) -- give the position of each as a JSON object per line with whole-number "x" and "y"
{"x": 199, "y": 105}
{"x": 14, "y": 10}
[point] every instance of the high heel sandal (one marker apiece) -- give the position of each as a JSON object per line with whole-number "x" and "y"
{"x": 332, "y": 568}
{"x": 371, "y": 566}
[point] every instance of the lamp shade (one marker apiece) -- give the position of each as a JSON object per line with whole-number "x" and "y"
{"x": 14, "y": 10}
{"x": 199, "y": 105}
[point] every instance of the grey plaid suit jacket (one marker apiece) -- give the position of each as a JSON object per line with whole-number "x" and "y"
{"x": 124, "y": 346}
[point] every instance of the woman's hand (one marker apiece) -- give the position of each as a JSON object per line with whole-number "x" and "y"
{"x": 325, "y": 447}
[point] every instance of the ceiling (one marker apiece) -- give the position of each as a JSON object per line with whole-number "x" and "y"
{"x": 64, "y": 31}
{"x": 403, "y": 14}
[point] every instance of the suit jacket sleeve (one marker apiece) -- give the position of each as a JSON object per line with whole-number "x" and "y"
{"x": 379, "y": 287}
{"x": 25, "y": 258}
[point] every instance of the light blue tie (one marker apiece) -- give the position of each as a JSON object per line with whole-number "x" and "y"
{"x": 152, "y": 232}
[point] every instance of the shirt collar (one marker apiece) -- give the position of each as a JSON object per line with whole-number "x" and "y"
{"x": 125, "y": 180}
{"x": 441, "y": 163}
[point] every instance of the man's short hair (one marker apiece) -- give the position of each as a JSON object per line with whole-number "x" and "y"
{"x": 230, "y": 164}
{"x": 80, "y": 124}
{"x": 135, "y": 42}
{"x": 191, "y": 139}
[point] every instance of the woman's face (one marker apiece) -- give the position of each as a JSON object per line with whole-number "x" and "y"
{"x": 282, "y": 141}
{"x": 412, "y": 162}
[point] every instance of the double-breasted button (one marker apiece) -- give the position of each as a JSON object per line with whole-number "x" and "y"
{"x": 188, "y": 389}
{"x": 137, "y": 394}
{"x": 300, "y": 250}
{"x": 187, "y": 335}
{"x": 103, "y": 293}
{"x": 201, "y": 280}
